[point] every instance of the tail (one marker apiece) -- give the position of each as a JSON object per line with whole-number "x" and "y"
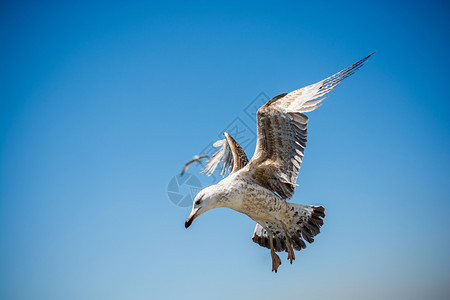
{"x": 303, "y": 224}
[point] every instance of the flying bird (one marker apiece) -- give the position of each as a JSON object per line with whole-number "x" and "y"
{"x": 195, "y": 159}
{"x": 260, "y": 188}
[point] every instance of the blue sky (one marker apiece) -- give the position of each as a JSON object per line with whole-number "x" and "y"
{"x": 103, "y": 102}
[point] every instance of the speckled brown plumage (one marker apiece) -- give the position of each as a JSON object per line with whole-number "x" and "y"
{"x": 260, "y": 188}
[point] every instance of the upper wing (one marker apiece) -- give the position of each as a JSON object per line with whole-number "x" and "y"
{"x": 282, "y": 133}
{"x": 231, "y": 155}
{"x": 193, "y": 160}
{"x": 186, "y": 166}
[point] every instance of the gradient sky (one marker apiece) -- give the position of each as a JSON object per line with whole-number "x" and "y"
{"x": 101, "y": 103}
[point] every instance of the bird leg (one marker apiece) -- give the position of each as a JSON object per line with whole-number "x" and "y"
{"x": 290, "y": 251}
{"x": 276, "y": 261}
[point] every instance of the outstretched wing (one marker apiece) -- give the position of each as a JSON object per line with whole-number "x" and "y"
{"x": 231, "y": 155}
{"x": 197, "y": 159}
{"x": 282, "y": 133}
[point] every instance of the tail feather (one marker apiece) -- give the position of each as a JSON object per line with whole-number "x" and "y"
{"x": 304, "y": 225}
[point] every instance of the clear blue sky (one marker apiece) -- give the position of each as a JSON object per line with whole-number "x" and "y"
{"x": 101, "y": 103}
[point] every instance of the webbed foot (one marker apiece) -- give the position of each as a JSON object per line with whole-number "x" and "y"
{"x": 276, "y": 261}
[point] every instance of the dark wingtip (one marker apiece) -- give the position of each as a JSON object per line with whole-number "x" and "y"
{"x": 363, "y": 61}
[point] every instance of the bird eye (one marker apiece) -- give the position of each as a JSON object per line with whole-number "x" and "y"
{"x": 198, "y": 201}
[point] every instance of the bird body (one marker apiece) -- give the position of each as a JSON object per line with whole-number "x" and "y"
{"x": 272, "y": 214}
{"x": 241, "y": 194}
{"x": 260, "y": 188}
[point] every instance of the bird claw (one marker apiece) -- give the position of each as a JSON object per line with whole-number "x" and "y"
{"x": 276, "y": 262}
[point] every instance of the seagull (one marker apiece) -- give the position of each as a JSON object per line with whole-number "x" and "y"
{"x": 260, "y": 188}
{"x": 197, "y": 159}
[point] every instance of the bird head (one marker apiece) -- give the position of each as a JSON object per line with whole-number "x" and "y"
{"x": 205, "y": 200}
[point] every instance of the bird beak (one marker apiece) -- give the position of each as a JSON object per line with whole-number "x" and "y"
{"x": 194, "y": 214}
